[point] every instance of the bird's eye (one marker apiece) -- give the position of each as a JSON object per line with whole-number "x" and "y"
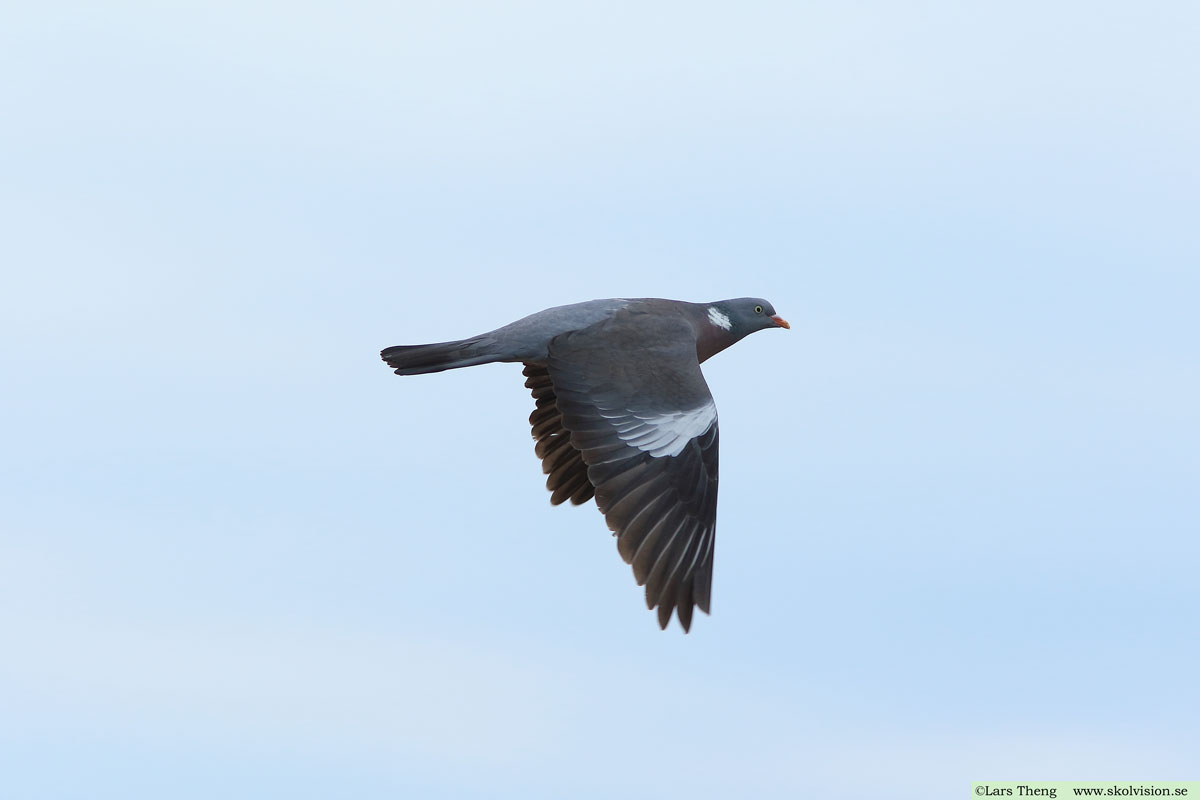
{"x": 758, "y": 309}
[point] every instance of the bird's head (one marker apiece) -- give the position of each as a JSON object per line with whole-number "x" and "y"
{"x": 728, "y": 321}
{"x": 744, "y": 316}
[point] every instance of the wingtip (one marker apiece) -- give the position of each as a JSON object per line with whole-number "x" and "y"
{"x": 664, "y": 616}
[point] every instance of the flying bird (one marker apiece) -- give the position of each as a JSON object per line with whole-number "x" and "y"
{"x": 623, "y": 414}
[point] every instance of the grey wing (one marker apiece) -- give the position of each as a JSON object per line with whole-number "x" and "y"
{"x": 631, "y": 395}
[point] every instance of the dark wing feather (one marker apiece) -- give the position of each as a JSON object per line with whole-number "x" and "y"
{"x": 563, "y": 463}
{"x": 620, "y": 389}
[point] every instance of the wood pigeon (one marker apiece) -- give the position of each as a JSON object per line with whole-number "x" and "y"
{"x": 623, "y": 414}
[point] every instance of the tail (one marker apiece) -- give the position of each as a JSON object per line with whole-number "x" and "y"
{"x": 417, "y": 359}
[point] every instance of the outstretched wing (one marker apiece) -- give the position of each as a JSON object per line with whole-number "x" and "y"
{"x": 630, "y": 393}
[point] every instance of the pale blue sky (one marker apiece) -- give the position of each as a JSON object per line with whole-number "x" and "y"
{"x": 958, "y": 525}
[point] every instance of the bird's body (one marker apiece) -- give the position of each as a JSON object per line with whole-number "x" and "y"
{"x": 623, "y": 414}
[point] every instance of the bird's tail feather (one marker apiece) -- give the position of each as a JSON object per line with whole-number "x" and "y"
{"x": 417, "y": 359}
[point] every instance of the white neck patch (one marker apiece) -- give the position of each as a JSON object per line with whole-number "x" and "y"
{"x": 719, "y": 319}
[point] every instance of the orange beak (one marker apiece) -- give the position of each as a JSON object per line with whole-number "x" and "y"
{"x": 781, "y": 322}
